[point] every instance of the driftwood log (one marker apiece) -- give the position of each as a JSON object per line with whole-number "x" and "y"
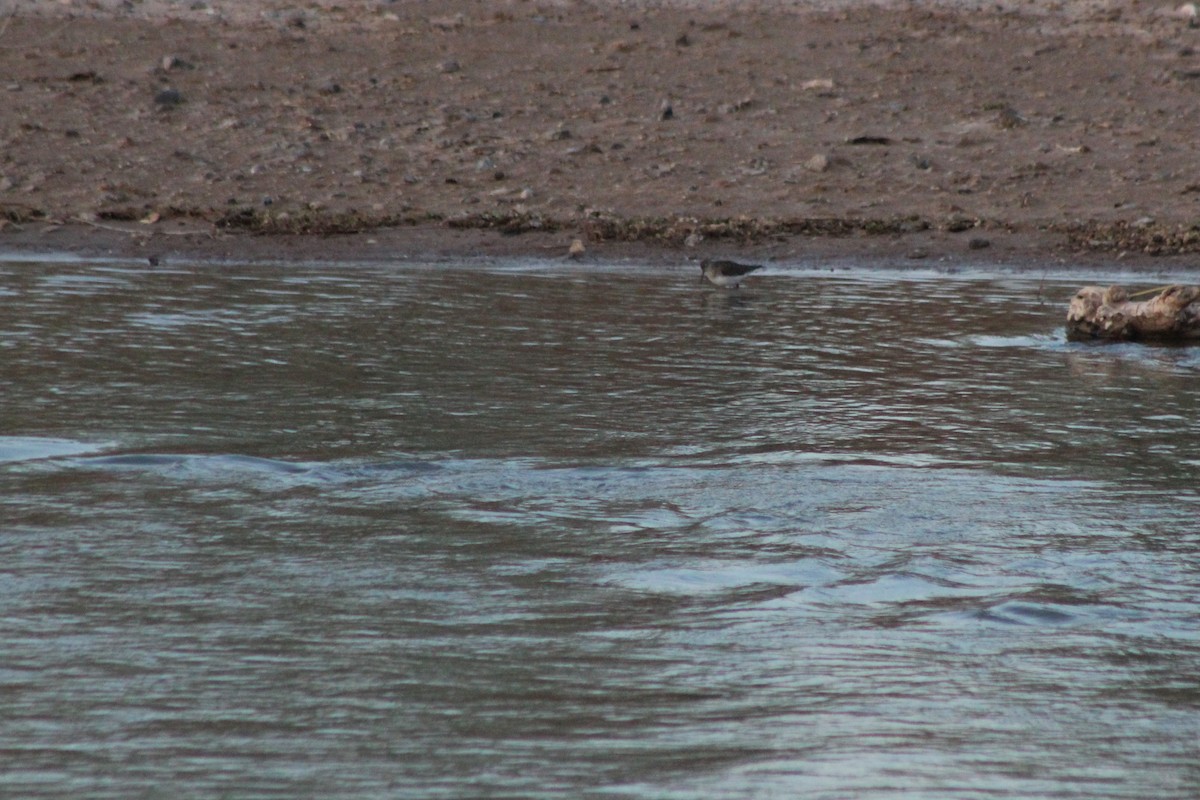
{"x": 1171, "y": 315}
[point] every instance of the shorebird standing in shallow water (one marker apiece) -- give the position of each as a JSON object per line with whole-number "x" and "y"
{"x": 726, "y": 274}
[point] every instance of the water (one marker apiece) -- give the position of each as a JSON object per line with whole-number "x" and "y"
{"x": 527, "y": 530}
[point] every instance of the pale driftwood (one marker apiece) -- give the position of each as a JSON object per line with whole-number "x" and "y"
{"x": 1171, "y": 315}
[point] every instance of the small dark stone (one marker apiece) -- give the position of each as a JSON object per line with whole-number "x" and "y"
{"x": 668, "y": 113}
{"x": 170, "y": 62}
{"x": 168, "y": 98}
{"x": 958, "y": 224}
{"x": 979, "y": 243}
{"x": 870, "y": 140}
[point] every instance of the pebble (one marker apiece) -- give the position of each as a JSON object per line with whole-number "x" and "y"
{"x": 170, "y": 62}
{"x": 733, "y": 108}
{"x": 576, "y": 250}
{"x": 1008, "y": 118}
{"x": 449, "y": 23}
{"x": 958, "y": 223}
{"x": 168, "y": 98}
{"x": 818, "y": 163}
{"x": 979, "y": 243}
{"x": 449, "y": 67}
{"x": 870, "y": 139}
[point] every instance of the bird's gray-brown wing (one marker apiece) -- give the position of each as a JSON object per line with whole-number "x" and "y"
{"x": 734, "y": 268}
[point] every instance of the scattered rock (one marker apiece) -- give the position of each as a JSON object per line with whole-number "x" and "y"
{"x": 1007, "y": 118}
{"x": 449, "y": 67}
{"x": 170, "y": 62}
{"x": 958, "y": 223}
{"x": 450, "y": 23}
{"x": 576, "y": 250}
{"x": 870, "y": 140}
{"x": 586, "y": 149}
{"x": 668, "y": 110}
{"x": 979, "y": 243}
{"x": 818, "y": 163}
{"x": 168, "y": 98}
{"x": 732, "y": 108}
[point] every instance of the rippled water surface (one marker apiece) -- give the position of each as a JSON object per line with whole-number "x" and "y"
{"x": 514, "y": 530}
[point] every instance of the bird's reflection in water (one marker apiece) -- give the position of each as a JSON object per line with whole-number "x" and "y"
{"x": 728, "y": 300}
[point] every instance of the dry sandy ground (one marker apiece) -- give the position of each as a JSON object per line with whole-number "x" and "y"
{"x": 989, "y": 130}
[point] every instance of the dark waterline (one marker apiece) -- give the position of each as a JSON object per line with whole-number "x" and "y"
{"x": 513, "y": 530}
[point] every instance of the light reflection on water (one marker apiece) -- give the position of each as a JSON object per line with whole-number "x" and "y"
{"x": 498, "y": 531}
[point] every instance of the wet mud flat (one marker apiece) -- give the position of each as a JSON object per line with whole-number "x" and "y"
{"x": 924, "y": 131}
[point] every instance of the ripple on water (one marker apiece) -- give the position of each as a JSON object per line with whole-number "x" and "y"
{"x": 32, "y": 448}
{"x": 531, "y": 532}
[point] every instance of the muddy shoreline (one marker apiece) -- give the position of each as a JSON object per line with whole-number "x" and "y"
{"x": 433, "y": 243}
{"x": 939, "y": 132}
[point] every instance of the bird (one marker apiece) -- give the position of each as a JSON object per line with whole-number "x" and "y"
{"x": 726, "y": 274}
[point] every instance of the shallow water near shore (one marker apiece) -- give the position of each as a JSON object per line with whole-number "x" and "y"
{"x": 534, "y": 530}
